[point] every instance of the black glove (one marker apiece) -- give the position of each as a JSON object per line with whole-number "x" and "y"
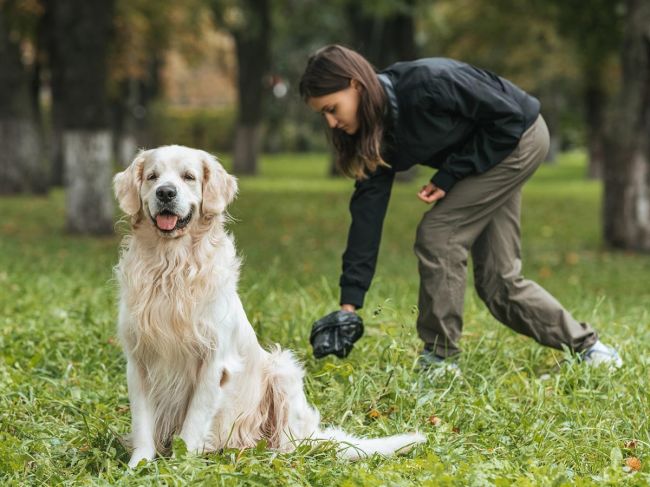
{"x": 336, "y": 333}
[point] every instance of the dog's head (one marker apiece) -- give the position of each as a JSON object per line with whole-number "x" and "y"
{"x": 172, "y": 186}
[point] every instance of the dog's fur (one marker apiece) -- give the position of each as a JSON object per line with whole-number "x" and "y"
{"x": 194, "y": 365}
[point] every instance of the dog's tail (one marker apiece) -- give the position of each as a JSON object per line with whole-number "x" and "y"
{"x": 352, "y": 448}
{"x": 285, "y": 409}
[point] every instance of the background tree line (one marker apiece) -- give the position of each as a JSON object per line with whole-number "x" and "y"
{"x": 100, "y": 61}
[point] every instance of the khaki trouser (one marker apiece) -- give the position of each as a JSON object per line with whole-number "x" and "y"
{"x": 481, "y": 213}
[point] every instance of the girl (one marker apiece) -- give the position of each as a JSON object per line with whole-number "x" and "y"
{"x": 485, "y": 137}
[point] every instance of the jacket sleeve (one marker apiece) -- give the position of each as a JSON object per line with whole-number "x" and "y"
{"x": 499, "y": 124}
{"x": 368, "y": 209}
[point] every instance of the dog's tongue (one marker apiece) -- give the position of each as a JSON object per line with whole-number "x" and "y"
{"x": 166, "y": 222}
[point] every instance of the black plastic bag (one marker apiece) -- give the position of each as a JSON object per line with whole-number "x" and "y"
{"x": 336, "y": 334}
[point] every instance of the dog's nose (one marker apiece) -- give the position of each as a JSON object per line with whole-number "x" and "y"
{"x": 166, "y": 193}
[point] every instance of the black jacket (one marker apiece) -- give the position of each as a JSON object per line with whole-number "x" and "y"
{"x": 444, "y": 114}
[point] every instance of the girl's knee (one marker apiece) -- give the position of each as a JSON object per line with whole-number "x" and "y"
{"x": 494, "y": 286}
{"x": 432, "y": 238}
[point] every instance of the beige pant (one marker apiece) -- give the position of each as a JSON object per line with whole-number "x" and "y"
{"x": 481, "y": 213}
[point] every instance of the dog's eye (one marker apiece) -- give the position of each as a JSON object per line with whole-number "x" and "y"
{"x": 152, "y": 177}
{"x": 188, "y": 176}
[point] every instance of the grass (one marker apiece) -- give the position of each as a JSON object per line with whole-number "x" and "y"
{"x": 514, "y": 418}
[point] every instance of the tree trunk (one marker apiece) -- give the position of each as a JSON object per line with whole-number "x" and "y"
{"x": 124, "y": 107}
{"x": 552, "y": 106}
{"x": 56, "y": 147}
{"x": 20, "y": 142}
{"x": 126, "y": 150}
{"x": 252, "y": 44}
{"x": 595, "y": 101}
{"x": 247, "y": 139}
{"x": 401, "y": 33}
{"x": 131, "y": 108}
{"x": 384, "y": 40}
{"x": 21, "y": 168}
{"x": 53, "y": 66}
{"x": 89, "y": 206}
{"x": 44, "y": 181}
{"x": 81, "y": 32}
{"x": 626, "y": 202}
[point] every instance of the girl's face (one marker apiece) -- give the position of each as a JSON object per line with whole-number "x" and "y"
{"x": 339, "y": 108}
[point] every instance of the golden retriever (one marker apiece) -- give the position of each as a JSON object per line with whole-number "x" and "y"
{"x": 194, "y": 365}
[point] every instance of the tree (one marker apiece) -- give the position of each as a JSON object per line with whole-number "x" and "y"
{"x": 249, "y": 22}
{"x": 142, "y": 32}
{"x": 595, "y": 35}
{"x": 516, "y": 39}
{"x": 145, "y": 32}
{"x": 384, "y": 32}
{"x": 626, "y": 202}
{"x": 80, "y": 34}
{"x": 21, "y": 167}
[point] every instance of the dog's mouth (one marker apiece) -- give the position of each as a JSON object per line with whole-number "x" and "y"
{"x": 167, "y": 221}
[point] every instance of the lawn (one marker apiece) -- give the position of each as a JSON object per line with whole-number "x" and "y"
{"x": 519, "y": 415}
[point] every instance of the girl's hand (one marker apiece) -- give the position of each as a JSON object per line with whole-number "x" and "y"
{"x": 431, "y": 193}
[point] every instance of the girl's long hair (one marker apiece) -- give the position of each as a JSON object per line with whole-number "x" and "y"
{"x": 331, "y": 69}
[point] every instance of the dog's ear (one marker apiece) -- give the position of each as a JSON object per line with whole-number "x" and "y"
{"x": 127, "y": 185}
{"x": 219, "y": 187}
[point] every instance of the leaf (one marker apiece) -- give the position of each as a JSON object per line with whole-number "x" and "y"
{"x": 631, "y": 444}
{"x": 261, "y": 445}
{"x": 179, "y": 447}
{"x": 374, "y": 414}
{"x": 633, "y": 463}
{"x": 615, "y": 457}
{"x": 435, "y": 420}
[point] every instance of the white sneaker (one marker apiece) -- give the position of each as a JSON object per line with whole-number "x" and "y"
{"x": 436, "y": 366}
{"x": 600, "y": 354}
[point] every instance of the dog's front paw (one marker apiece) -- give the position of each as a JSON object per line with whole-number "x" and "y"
{"x": 193, "y": 441}
{"x": 140, "y": 454}
{"x": 196, "y": 448}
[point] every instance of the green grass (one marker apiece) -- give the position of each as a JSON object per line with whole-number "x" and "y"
{"x": 63, "y": 400}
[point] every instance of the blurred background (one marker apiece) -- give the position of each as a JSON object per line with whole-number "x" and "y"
{"x": 85, "y": 83}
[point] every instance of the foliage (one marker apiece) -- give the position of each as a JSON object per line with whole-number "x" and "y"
{"x": 518, "y": 416}
{"x": 509, "y": 37}
{"x": 22, "y": 17}
{"x": 210, "y": 128}
{"x": 595, "y": 34}
{"x": 290, "y": 124}
{"x": 530, "y": 42}
{"x": 147, "y": 28}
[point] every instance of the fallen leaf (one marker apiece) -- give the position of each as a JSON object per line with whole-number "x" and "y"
{"x": 456, "y": 429}
{"x": 634, "y": 463}
{"x": 630, "y": 444}
{"x": 374, "y": 414}
{"x": 435, "y": 420}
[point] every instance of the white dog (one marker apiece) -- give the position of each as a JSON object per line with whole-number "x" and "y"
{"x": 194, "y": 365}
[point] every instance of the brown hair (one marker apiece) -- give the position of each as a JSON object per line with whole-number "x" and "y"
{"x": 331, "y": 69}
